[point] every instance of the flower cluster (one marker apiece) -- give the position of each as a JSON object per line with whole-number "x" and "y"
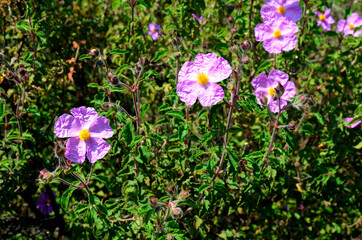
{"x": 269, "y": 88}
{"x": 279, "y": 28}
{"x": 154, "y": 31}
{"x": 325, "y": 19}
{"x": 348, "y": 26}
{"x": 197, "y": 80}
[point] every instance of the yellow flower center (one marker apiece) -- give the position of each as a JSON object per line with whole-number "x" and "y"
{"x": 351, "y": 26}
{"x": 322, "y": 17}
{"x": 277, "y": 33}
{"x": 153, "y": 31}
{"x": 84, "y": 134}
{"x": 271, "y": 91}
{"x": 281, "y": 10}
{"x": 202, "y": 79}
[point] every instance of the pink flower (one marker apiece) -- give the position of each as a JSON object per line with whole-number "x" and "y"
{"x": 154, "y": 31}
{"x": 199, "y": 19}
{"x": 86, "y": 131}
{"x": 287, "y": 8}
{"x": 325, "y": 19}
{"x": 265, "y": 86}
{"x": 348, "y": 26}
{"x": 277, "y": 32}
{"x": 198, "y": 79}
{"x": 43, "y": 203}
{"x": 352, "y": 125}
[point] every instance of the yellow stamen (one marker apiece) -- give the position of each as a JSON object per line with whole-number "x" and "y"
{"x": 271, "y": 91}
{"x": 351, "y": 26}
{"x": 281, "y": 10}
{"x": 322, "y": 17}
{"x": 153, "y": 31}
{"x": 277, "y": 33}
{"x": 84, "y": 134}
{"x": 202, "y": 78}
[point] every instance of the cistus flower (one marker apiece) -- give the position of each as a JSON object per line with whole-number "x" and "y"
{"x": 351, "y": 125}
{"x": 325, "y": 19}
{"x": 348, "y": 26}
{"x": 286, "y": 8}
{"x": 154, "y": 31}
{"x": 266, "y": 87}
{"x": 86, "y": 131}
{"x": 198, "y": 79}
{"x": 43, "y": 203}
{"x": 199, "y": 19}
{"x": 277, "y": 34}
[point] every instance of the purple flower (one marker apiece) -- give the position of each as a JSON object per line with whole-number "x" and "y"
{"x": 265, "y": 86}
{"x": 277, "y": 32}
{"x": 287, "y": 8}
{"x": 198, "y": 79}
{"x": 86, "y": 131}
{"x": 353, "y": 125}
{"x": 43, "y": 203}
{"x": 348, "y": 26}
{"x": 154, "y": 31}
{"x": 199, "y": 19}
{"x": 325, "y": 19}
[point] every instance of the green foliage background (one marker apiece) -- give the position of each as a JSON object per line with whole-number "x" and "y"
{"x": 311, "y": 190}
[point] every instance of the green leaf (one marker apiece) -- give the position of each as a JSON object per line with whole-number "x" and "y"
{"x": 198, "y": 222}
{"x": 93, "y": 85}
{"x": 203, "y": 187}
{"x": 41, "y": 36}
{"x": 65, "y": 198}
{"x": 115, "y": 4}
{"x": 176, "y": 114}
{"x": 91, "y": 198}
{"x": 307, "y": 128}
{"x": 118, "y": 51}
{"x": 320, "y": 118}
{"x": 128, "y": 134}
{"x": 145, "y": 153}
{"x": 233, "y": 159}
{"x": 84, "y": 56}
{"x": 81, "y": 207}
{"x": 23, "y": 26}
{"x": 264, "y": 65}
{"x": 160, "y": 55}
{"x": 257, "y": 154}
{"x": 157, "y": 137}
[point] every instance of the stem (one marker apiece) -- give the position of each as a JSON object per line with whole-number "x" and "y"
{"x": 272, "y": 137}
{"x": 300, "y": 122}
{"x": 304, "y": 16}
{"x": 68, "y": 183}
{"x": 81, "y": 180}
{"x": 177, "y": 69}
{"x": 275, "y": 61}
{"x": 90, "y": 175}
{"x": 128, "y": 115}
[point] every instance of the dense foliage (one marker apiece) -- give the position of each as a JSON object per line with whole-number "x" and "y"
{"x": 229, "y": 171}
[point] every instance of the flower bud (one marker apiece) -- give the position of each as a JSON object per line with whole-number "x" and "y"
{"x": 45, "y": 174}
{"x": 311, "y": 101}
{"x": 153, "y": 202}
{"x": 94, "y": 51}
{"x": 231, "y": 85}
{"x": 17, "y": 79}
{"x": 175, "y": 41}
{"x": 177, "y": 55}
{"x": 204, "y": 45}
{"x": 235, "y": 75}
{"x": 170, "y": 190}
{"x": 184, "y": 194}
{"x": 279, "y": 90}
{"x": 303, "y": 99}
{"x": 144, "y": 61}
{"x": 245, "y": 60}
{"x": 231, "y": 20}
{"x": 233, "y": 30}
{"x": 291, "y": 126}
{"x": 264, "y": 100}
{"x": 115, "y": 80}
{"x": 176, "y": 212}
{"x": 22, "y": 71}
{"x": 245, "y": 45}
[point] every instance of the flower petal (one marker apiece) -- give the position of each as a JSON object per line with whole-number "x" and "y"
{"x": 187, "y": 72}
{"x": 274, "y": 105}
{"x": 263, "y": 32}
{"x": 86, "y": 116}
{"x": 220, "y": 70}
{"x": 340, "y": 25}
{"x": 289, "y": 42}
{"x": 203, "y": 62}
{"x": 66, "y": 126}
{"x": 357, "y": 33}
{"x": 210, "y": 94}
{"x": 97, "y": 148}
{"x": 188, "y": 91}
{"x": 273, "y": 45}
{"x": 100, "y": 128}
{"x": 289, "y": 90}
{"x": 352, "y": 125}
{"x": 279, "y": 76}
{"x": 75, "y": 150}
{"x": 293, "y": 12}
{"x": 259, "y": 80}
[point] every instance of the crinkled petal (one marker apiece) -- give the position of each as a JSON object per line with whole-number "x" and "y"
{"x": 210, "y": 94}
{"x": 203, "y": 62}
{"x": 273, "y": 45}
{"x": 278, "y": 76}
{"x": 289, "y": 42}
{"x": 100, "y": 128}
{"x": 274, "y": 105}
{"x": 353, "y": 19}
{"x": 325, "y": 25}
{"x": 329, "y": 20}
{"x": 187, "y": 72}
{"x": 348, "y": 31}
{"x": 188, "y": 91}
{"x": 288, "y": 27}
{"x": 86, "y": 116}
{"x": 263, "y": 32}
{"x": 289, "y": 90}
{"x": 75, "y": 150}
{"x": 220, "y": 70}
{"x": 268, "y": 10}
{"x": 340, "y": 25}
{"x": 357, "y": 33}
{"x": 97, "y": 148}
{"x": 259, "y": 80}
{"x": 259, "y": 93}
{"x": 66, "y": 126}
{"x": 317, "y": 13}
{"x": 293, "y": 12}
{"x": 155, "y": 35}
{"x": 327, "y": 11}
